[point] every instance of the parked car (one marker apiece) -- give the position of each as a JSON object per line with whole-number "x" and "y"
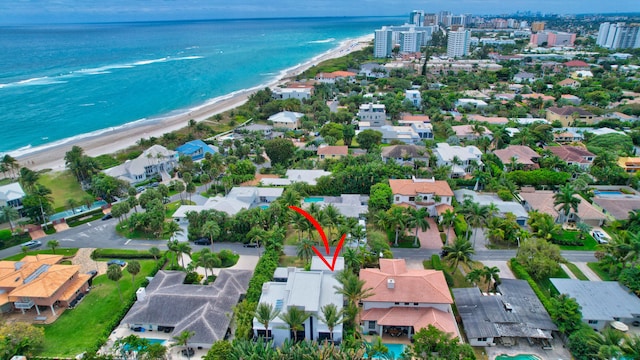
{"x": 203, "y": 241}
{"x": 107, "y": 217}
{"x": 251, "y": 245}
{"x": 140, "y": 189}
{"x": 600, "y": 236}
{"x": 188, "y": 352}
{"x": 154, "y": 184}
{"x": 137, "y": 329}
{"x": 116, "y": 262}
{"x": 32, "y": 244}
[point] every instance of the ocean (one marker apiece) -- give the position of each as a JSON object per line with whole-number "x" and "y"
{"x": 62, "y": 82}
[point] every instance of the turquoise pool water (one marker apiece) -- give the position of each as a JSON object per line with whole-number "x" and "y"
{"x": 313, "y": 199}
{"x": 151, "y": 341}
{"x": 76, "y": 211}
{"x": 264, "y": 207}
{"x": 518, "y": 357}
{"x": 608, "y": 193}
{"x": 395, "y": 350}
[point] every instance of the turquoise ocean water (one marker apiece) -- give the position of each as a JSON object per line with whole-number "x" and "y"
{"x": 59, "y": 82}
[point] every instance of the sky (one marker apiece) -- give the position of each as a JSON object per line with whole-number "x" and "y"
{"x": 70, "y": 11}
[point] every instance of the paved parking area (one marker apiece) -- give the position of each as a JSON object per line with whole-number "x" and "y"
{"x": 429, "y": 239}
{"x": 505, "y": 271}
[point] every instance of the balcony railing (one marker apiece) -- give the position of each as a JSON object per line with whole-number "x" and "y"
{"x": 24, "y": 304}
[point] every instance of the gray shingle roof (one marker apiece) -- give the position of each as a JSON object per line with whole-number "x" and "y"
{"x": 205, "y": 309}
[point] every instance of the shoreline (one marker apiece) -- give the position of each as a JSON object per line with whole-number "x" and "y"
{"x": 111, "y": 140}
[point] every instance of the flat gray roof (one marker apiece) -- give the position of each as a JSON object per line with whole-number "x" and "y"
{"x": 600, "y": 300}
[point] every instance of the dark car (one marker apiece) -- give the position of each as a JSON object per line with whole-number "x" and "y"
{"x": 203, "y": 241}
{"x": 116, "y": 262}
{"x": 107, "y": 217}
{"x": 137, "y": 329}
{"x": 251, "y": 245}
{"x": 188, "y": 352}
{"x": 154, "y": 184}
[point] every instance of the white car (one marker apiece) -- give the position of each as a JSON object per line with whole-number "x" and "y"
{"x": 600, "y": 236}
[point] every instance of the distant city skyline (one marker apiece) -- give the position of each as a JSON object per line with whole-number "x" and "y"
{"x": 70, "y": 11}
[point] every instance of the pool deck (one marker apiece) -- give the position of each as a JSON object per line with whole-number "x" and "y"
{"x": 559, "y": 352}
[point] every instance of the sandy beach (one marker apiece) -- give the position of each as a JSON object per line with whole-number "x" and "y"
{"x": 107, "y": 142}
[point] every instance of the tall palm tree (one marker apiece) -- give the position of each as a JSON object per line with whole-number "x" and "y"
{"x": 352, "y": 288}
{"x": 460, "y": 251}
{"x": 172, "y": 229}
{"x": 447, "y": 219}
{"x": 477, "y": 216}
{"x": 114, "y": 273}
{"x": 183, "y": 340}
{"x": 265, "y": 313}
{"x": 332, "y": 216}
{"x": 10, "y": 214}
{"x": 417, "y": 218}
{"x": 491, "y": 273}
{"x": 295, "y": 319}
{"x": 53, "y": 244}
{"x": 353, "y": 259}
{"x": 567, "y": 200}
{"x": 474, "y": 276}
{"x": 133, "y": 267}
{"x": 212, "y": 229}
{"x": 10, "y": 163}
{"x": 398, "y": 220}
{"x": 183, "y": 248}
{"x": 290, "y": 198}
{"x": 305, "y": 249}
{"x": 332, "y": 317}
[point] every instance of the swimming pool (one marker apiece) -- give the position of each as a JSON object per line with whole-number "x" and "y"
{"x": 76, "y": 211}
{"x": 395, "y": 350}
{"x": 150, "y": 340}
{"x": 518, "y": 357}
{"x": 608, "y": 192}
{"x": 313, "y": 199}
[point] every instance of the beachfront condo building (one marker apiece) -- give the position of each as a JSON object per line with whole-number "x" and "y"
{"x": 619, "y": 36}
{"x": 383, "y": 43}
{"x": 458, "y": 43}
{"x": 410, "y": 41}
{"x": 408, "y": 37}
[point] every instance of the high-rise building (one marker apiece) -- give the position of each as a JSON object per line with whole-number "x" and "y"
{"x": 458, "y": 43}
{"x": 552, "y": 38}
{"x": 457, "y": 20}
{"x": 430, "y": 19}
{"x": 410, "y": 41}
{"x": 619, "y": 36}
{"x": 416, "y": 17}
{"x": 537, "y": 26}
{"x": 383, "y": 43}
{"x": 444, "y": 17}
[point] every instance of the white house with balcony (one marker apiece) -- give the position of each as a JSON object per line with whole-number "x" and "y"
{"x": 373, "y": 114}
{"x": 462, "y": 159}
{"x": 435, "y": 195}
{"x": 155, "y": 161}
{"x": 309, "y": 291}
{"x": 414, "y": 97}
{"x": 12, "y": 195}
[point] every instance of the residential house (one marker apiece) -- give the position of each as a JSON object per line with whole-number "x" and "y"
{"x": 155, "y": 161}
{"x": 292, "y": 176}
{"x": 572, "y": 99}
{"x": 265, "y": 130}
{"x": 575, "y": 65}
{"x": 630, "y": 165}
{"x": 414, "y": 97}
{"x": 332, "y": 152}
{"x": 40, "y": 281}
{"x": 573, "y": 155}
{"x": 513, "y": 313}
{"x": 332, "y": 77}
{"x": 435, "y": 195}
{"x": 567, "y": 115}
{"x": 567, "y": 137}
{"x": 405, "y": 301}
{"x": 286, "y": 119}
{"x": 374, "y": 115}
{"x": 581, "y": 74}
{"x": 405, "y": 154}
{"x": 348, "y": 205}
{"x": 572, "y": 83}
{"x": 373, "y": 70}
{"x": 293, "y": 91}
{"x": 493, "y": 120}
{"x": 424, "y": 131}
{"x": 170, "y": 306}
{"x": 408, "y": 119}
{"x": 462, "y": 159}
{"x": 470, "y": 103}
{"x": 405, "y": 134}
{"x": 542, "y": 201}
{"x": 524, "y": 77}
{"x": 504, "y": 207}
{"x": 309, "y": 291}
{"x": 524, "y": 157}
{"x": 466, "y": 132}
{"x": 12, "y": 195}
{"x": 602, "y": 302}
{"x": 195, "y": 149}
{"x": 621, "y": 116}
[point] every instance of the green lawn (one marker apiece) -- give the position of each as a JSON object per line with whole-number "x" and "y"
{"x": 602, "y": 274}
{"x": 64, "y": 252}
{"x": 589, "y": 243}
{"x": 577, "y": 272}
{"x": 547, "y": 287}
{"x": 286, "y": 261}
{"x": 63, "y": 186}
{"x": 78, "y": 330}
{"x": 171, "y": 208}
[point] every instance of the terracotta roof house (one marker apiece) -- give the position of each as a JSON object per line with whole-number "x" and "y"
{"x": 630, "y": 165}
{"x": 572, "y": 83}
{"x": 168, "y": 305}
{"x": 577, "y": 65}
{"x": 38, "y": 280}
{"x": 513, "y": 312}
{"x": 406, "y": 301}
{"x": 435, "y": 195}
{"x": 465, "y": 132}
{"x": 565, "y": 115}
{"x": 405, "y": 154}
{"x": 408, "y": 119}
{"x": 332, "y": 152}
{"x": 573, "y": 155}
{"x": 524, "y": 156}
{"x": 567, "y": 137}
{"x": 495, "y": 120}
{"x": 543, "y": 202}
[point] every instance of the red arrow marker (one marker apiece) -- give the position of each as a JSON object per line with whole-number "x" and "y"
{"x": 316, "y": 225}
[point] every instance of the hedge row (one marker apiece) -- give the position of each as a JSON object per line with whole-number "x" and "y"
{"x": 435, "y": 262}
{"x": 121, "y": 254}
{"x": 521, "y": 273}
{"x": 460, "y": 226}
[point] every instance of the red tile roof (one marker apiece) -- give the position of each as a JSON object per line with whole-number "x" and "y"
{"x": 571, "y": 153}
{"x": 410, "y": 187}
{"x": 524, "y": 154}
{"x": 419, "y": 118}
{"x": 417, "y": 317}
{"x": 333, "y": 150}
{"x": 576, "y": 63}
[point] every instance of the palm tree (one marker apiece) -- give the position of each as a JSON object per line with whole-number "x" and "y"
{"x": 133, "y": 267}
{"x": 352, "y": 288}
{"x": 9, "y": 213}
{"x": 182, "y": 248}
{"x": 183, "y": 340}
{"x": 353, "y": 259}
{"x": 265, "y": 313}
{"x": 72, "y": 204}
{"x": 10, "y": 163}
{"x": 305, "y": 249}
{"x": 567, "y": 199}
{"x": 295, "y": 318}
{"x": 397, "y": 219}
{"x": 212, "y": 229}
{"x": 447, "y": 219}
{"x": 417, "y": 218}
{"x": 172, "y": 229}
{"x": 584, "y": 229}
{"x": 332, "y": 216}
{"x": 155, "y": 252}
{"x": 53, "y": 244}
{"x": 477, "y": 216}
{"x": 290, "y": 198}
{"x": 332, "y": 317}
{"x": 491, "y": 273}
{"x": 114, "y": 273}
{"x": 460, "y": 251}
{"x": 631, "y": 347}
{"x": 474, "y": 276}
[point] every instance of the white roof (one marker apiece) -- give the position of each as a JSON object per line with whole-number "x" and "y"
{"x": 285, "y": 117}
{"x": 526, "y": 121}
{"x": 485, "y": 199}
{"x": 472, "y": 101}
{"x": 11, "y": 191}
{"x": 306, "y": 176}
{"x": 447, "y": 152}
{"x": 152, "y": 156}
